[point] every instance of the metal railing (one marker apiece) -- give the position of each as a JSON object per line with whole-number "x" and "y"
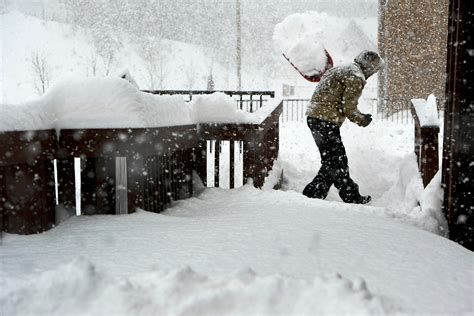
{"x": 250, "y": 101}
{"x": 294, "y": 111}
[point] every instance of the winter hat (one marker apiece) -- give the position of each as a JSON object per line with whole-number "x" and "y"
{"x": 370, "y": 62}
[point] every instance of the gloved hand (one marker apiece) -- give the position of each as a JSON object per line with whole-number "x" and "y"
{"x": 366, "y": 120}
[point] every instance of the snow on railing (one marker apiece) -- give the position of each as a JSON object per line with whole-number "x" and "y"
{"x": 114, "y": 168}
{"x": 425, "y": 114}
{"x": 249, "y": 101}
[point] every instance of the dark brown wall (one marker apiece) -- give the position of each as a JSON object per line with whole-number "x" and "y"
{"x": 458, "y": 154}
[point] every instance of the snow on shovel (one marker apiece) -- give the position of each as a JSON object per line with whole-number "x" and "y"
{"x": 298, "y": 37}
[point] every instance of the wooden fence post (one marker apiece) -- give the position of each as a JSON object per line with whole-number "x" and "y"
{"x": 426, "y": 143}
{"x": 254, "y": 159}
{"x": 27, "y": 194}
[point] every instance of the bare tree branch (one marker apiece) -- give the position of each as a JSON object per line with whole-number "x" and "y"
{"x": 41, "y": 72}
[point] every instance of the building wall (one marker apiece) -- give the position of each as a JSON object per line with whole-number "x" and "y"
{"x": 458, "y": 149}
{"x": 412, "y": 40}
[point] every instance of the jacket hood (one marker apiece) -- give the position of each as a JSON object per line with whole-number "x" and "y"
{"x": 369, "y": 62}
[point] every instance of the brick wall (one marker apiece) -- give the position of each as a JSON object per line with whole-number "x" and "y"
{"x": 412, "y": 40}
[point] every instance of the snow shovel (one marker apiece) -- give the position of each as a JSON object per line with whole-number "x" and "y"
{"x": 316, "y": 77}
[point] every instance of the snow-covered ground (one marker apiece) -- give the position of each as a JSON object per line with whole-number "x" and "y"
{"x": 238, "y": 252}
{"x": 248, "y": 251}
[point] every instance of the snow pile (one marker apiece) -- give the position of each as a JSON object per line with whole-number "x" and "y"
{"x": 290, "y": 241}
{"x": 275, "y": 177}
{"x": 422, "y": 207}
{"x": 218, "y": 107}
{"x": 21, "y": 117}
{"x": 298, "y": 37}
{"x": 427, "y": 111}
{"x": 431, "y": 203}
{"x": 78, "y": 288}
{"x": 116, "y": 103}
{"x": 94, "y": 103}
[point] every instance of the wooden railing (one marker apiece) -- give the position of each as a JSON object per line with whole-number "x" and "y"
{"x": 260, "y": 146}
{"x": 27, "y": 203}
{"x": 426, "y": 147}
{"x": 154, "y": 164}
{"x": 116, "y": 171}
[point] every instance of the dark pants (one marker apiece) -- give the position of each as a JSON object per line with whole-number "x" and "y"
{"x": 334, "y": 165}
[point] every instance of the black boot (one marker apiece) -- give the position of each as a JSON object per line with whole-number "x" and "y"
{"x": 363, "y": 199}
{"x": 316, "y": 190}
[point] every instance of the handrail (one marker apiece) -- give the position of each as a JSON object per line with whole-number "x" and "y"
{"x": 260, "y": 145}
{"x": 197, "y": 92}
{"x": 239, "y": 131}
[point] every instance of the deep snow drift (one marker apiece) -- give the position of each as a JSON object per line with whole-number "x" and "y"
{"x": 248, "y": 251}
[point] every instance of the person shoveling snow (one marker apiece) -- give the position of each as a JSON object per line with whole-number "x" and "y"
{"x": 300, "y": 39}
{"x": 334, "y": 99}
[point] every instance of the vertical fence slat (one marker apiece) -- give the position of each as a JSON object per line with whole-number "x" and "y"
{"x": 121, "y": 186}
{"x": 232, "y": 165}
{"x": 217, "y": 153}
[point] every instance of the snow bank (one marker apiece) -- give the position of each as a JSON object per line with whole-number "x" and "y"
{"x": 275, "y": 177}
{"x": 78, "y": 288}
{"x": 111, "y": 102}
{"x": 431, "y": 203}
{"x": 298, "y": 37}
{"x": 427, "y": 111}
{"x": 409, "y": 200}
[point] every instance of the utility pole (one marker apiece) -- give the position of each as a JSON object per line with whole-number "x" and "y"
{"x": 239, "y": 47}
